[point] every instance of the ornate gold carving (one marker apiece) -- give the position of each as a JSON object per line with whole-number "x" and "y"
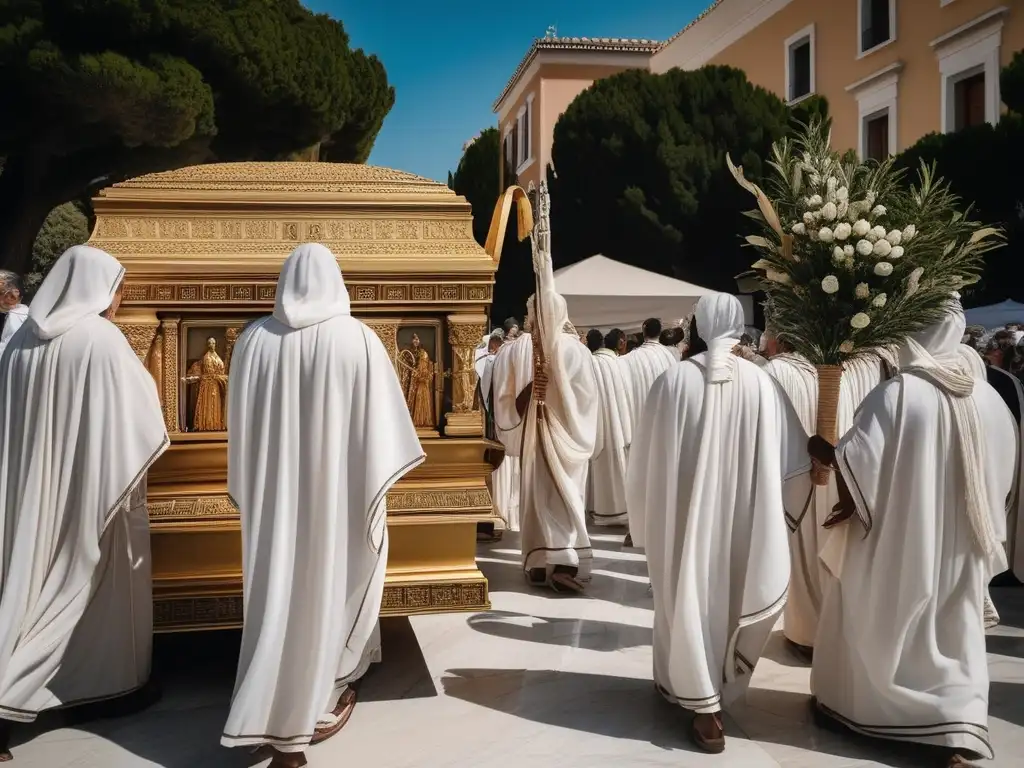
{"x": 260, "y": 229}
{"x": 407, "y": 230}
{"x": 208, "y": 375}
{"x": 165, "y": 293}
{"x": 169, "y": 331}
{"x": 143, "y": 228}
{"x": 189, "y": 612}
{"x": 231, "y": 230}
{"x": 388, "y": 334}
{"x": 448, "y": 230}
{"x": 384, "y": 230}
{"x": 439, "y": 501}
{"x": 230, "y": 336}
{"x": 140, "y": 337}
{"x": 340, "y": 247}
{"x": 174, "y": 229}
{"x": 422, "y": 293}
{"x": 202, "y": 506}
{"x": 449, "y": 293}
{"x": 290, "y": 230}
{"x": 267, "y": 292}
{"x": 112, "y": 227}
{"x": 315, "y": 232}
{"x": 215, "y": 293}
{"x": 155, "y": 362}
{"x": 403, "y": 599}
{"x": 464, "y": 334}
{"x": 365, "y": 293}
{"x": 289, "y": 176}
{"x": 135, "y": 292}
{"x": 204, "y": 229}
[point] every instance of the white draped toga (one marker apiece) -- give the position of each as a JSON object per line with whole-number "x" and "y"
{"x": 318, "y": 431}
{"x": 705, "y": 486}
{"x": 805, "y": 516}
{"x": 80, "y": 425}
{"x": 645, "y": 364}
{"x": 511, "y": 374}
{"x": 929, "y": 462}
{"x": 615, "y": 433}
{"x": 505, "y": 479}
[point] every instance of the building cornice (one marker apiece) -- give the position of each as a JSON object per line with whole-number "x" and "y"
{"x": 992, "y": 17}
{"x": 585, "y": 45}
{"x": 892, "y": 70}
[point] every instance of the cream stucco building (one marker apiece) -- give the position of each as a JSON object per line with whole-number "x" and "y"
{"x": 892, "y": 70}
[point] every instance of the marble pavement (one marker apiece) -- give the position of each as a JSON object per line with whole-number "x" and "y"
{"x": 538, "y": 681}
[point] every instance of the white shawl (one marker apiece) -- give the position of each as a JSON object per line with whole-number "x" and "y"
{"x": 318, "y": 431}
{"x": 705, "y": 487}
{"x": 645, "y": 364}
{"x": 512, "y": 372}
{"x": 16, "y": 317}
{"x": 80, "y": 425}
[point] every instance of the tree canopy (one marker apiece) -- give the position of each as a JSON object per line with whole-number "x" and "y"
{"x": 477, "y": 180}
{"x": 984, "y": 165}
{"x": 101, "y": 91}
{"x": 640, "y": 173}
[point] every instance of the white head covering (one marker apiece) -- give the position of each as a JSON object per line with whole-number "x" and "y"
{"x": 310, "y": 288}
{"x": 81, "y": 283}
{"x": 720, "y": 324}
{"x": 934, "y": 354}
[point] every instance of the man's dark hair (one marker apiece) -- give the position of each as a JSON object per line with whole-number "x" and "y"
{"x": 613, "y": 338}
{"x": 631, "y": 344}
{"x": 594, "y": 339}
{"x": 697, "y": 344}
{"x": 509, "y": 324}
{"x": 672, "y": 337}
{"x": 652, "y": 328}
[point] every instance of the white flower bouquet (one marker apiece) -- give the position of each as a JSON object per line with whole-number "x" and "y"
{"x": 855, "y": 258}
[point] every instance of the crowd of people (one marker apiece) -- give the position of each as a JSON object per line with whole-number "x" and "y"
{"x": 698, "y": 443}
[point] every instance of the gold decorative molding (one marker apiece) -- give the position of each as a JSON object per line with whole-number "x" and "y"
{"x": 164, "y": 294}
{"x": 140, "y": 336}
{"x": 403, "y": 600}
{"x": 191, "y": 508}
{"x": 439, "y": 501}
{"x": 169, "y": 334}
{"x": 230, "y": 336}
{"x": 225, "y": 612}
{"x": 464, "y": 335}
{"x": 388, "y": 335}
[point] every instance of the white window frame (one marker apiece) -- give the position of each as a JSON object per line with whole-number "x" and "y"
{"x": 875, "y": 94}
{"x": 944, "y": 3}
{"x": 966, "y": 51}
{"x": 808, "y": 34}
{"x": 526, "y": 151}
{"x": 861, "y": 53}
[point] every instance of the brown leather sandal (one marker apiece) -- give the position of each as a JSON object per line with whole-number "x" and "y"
{"x": 715, "y": 745}
{"x": 343, "y": 712}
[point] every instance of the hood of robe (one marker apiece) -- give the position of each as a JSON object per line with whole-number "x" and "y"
{"x": 936, "y": 350}
{"x": 311, "y": 288}
{"x": 81, "y": 283}
{"x": 720, "y": 324}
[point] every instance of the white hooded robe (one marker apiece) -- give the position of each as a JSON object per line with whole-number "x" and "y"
{"x": 615, "y": 433}
{"x": 80, "y": 425}
{"x": 318, "y": 431}
{"x": 705, "y": 481}
{"x": 929, "y": 462}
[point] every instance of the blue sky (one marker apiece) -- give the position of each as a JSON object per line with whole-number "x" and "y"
{"x": 449, "y": 59}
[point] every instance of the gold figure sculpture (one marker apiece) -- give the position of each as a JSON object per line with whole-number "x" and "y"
{"x": 418, "y": 383}
{"x": 210, "y": 373}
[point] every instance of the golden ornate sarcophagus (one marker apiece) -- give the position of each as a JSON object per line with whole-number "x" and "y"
{"x": 203, "y": 247}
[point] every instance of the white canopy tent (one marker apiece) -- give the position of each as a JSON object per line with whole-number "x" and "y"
{"x": 996, "y": 315}
{"x": 603, "y": 293}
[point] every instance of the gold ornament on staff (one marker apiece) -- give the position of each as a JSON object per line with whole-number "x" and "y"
{"x": 854, "y": 257}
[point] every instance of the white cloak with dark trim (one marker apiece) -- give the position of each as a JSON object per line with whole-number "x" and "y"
{"x": 318, "y": 431}
{"x": 705, "y": 487}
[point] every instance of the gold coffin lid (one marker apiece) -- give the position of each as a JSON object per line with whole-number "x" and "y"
{"x": 244, "y": 218}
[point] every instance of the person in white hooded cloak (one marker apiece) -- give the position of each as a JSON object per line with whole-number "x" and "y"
{"x": 925, "y": 472}
{"x": 614, "y": 434}
{"x": 80, "y": 425}
{"x": 559, "y": 434}
{"x": 709, "y": 459}
{"x": 805, "y": 516}
{"x": 318, "y": 432}
{"x": 504, "y": 491}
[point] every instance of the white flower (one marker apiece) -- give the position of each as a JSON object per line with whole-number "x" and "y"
{"x": 799, "y": 228}
{"x": 830, "y": 284}
{"x": 860, "y": 321}
{"x": 838, "y": 256}
{"x": 826, "y": 235}
{"x": 908, "y": 233}
{"x": 848, "y": 251}
{"x": 842, "y": 230}
{"x": 815, "y": 201}
{"x": 878, "y": 233}
{"x": 813, "y": 234}
{"x": 882, "y": 248}
{"x": 861, "y": 227}
{"x": 878, "y": 210}
{"x": 842, "y": 194}
{"x": 883, "y": 269}
{"x": 808, "y": 217}
{"x": 896, "y": 252}
{"x": 829, "y": 211}
{"x": 894, "y": 237}
{"x": 862, "y": 291}
{"x": 846, "y": 347}
{"x": 879, "y": 300}
{"x": 864, "y": 248}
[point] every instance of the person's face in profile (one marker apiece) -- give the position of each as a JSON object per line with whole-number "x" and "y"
{"x": 115, "y": 303}
{"x": 9, "y": 299}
